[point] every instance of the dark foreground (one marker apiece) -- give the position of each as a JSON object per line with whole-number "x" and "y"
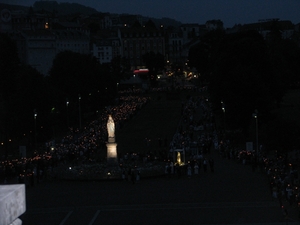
{"x": 233, "y": 194}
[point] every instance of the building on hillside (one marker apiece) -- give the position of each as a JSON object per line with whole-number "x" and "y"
{"x": 264, "y": 27}
{"x": 102, "y": 50}
{"x": 98, "y": 21}
{"x": 106, "y": 22}
{"x": 214, "y": 25}
{"x": 17, "y": 20}
{"x": 72, "y": 40}
{"x": 174, "y": 42}
{"x": 106, "y": 45}
{"x": 6, "y": 21}
{"x": 129, "y": 20}
{"x": 190, "y": 31}
{"x": 179, "y": 40}
{"x": 71, "y": 26}
{"x": 39, "y": 49}
{"x": 139, "y": 40}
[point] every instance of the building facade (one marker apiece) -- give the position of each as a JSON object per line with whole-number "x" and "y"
{"x": 137, "y": 41}
{"x": 40, "y": 49}
{"x": 42, "y": 35}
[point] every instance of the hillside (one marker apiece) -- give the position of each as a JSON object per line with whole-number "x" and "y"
{"x": 74, "y": 8}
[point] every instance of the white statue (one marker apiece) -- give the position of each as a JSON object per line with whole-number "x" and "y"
{"x": 178, "y": 158}
{"x": 110, "y": 127}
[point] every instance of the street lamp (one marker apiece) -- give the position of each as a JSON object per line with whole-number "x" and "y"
{"x": 223, "y": 109}
{"x": 256, "y": 128}
{"x": 35, "y": 134}
{"x": 79, "y": 98}
{"x": 67, "y": 104}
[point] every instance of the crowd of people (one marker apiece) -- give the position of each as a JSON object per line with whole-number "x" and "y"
{"x": 78, "y": 145}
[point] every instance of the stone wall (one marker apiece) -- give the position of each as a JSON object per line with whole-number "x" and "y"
{"x": 12, "y": 203}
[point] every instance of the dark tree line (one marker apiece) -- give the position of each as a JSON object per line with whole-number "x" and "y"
{"x": 247, "y": 72}
{"x": 55, "y": 98}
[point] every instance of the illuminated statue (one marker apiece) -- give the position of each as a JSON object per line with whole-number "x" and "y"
{"x": 112, "y": 156}
{"x": 178, "y": 158}
{"x": 110, "y": 127}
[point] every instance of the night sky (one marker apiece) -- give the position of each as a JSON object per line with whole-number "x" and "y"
{"x": 231, "y": 12}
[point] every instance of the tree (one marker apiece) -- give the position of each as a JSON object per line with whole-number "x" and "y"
{"x": 32, "y": 93}
{"x": 154, "y": 62}
{"x": 120, "y": 67}
{"x": 9, "y": 63}
{"x": 75, "y": 73}
{"x": 284, "y": 56}
{"x": 240, "y": 78}
{"x": 202, "y": 55}
{"x": 281, "y": 135}
{"x": 23, "y": 89}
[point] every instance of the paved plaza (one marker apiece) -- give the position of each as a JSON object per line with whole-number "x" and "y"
{"x": 233, "y": 194}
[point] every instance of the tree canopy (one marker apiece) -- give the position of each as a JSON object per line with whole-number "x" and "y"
{"x": 246, "y": 72}
{"x": 25, "y": 91}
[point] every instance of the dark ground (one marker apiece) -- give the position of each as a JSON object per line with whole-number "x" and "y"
{"x": 233, "y": 194}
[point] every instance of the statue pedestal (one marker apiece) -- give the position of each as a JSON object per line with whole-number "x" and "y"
{"x": 112, "y": 158}
{"x": 12, "y": 203}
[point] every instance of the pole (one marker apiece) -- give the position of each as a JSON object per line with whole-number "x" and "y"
{"x": 256, "y": 135}
{"x": 35, "y": 134}
{"x": 256, "y": 130}
{"x": 79, "y": 98}
{"x": 67, "y": 103}
{"x": 224, "y": 118}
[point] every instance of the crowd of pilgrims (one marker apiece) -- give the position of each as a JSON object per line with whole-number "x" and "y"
{"x": 196, "y": 135}
{"x": 77, "y": 144}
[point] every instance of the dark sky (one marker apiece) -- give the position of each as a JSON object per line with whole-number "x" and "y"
{"x": 196, "y": 11}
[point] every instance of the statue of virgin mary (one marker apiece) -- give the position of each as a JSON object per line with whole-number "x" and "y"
{"x": 110, "y": 127}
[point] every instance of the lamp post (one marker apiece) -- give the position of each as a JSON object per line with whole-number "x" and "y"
{"x": 223, "y": 109}
{"x": 256, "y": 129}
{"x": 79, "y": 98}
{"x": 35, "y": 134}
{"x": 67, "y": 104}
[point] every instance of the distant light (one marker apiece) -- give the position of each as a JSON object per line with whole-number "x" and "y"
{"x": 141, "y": 71}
